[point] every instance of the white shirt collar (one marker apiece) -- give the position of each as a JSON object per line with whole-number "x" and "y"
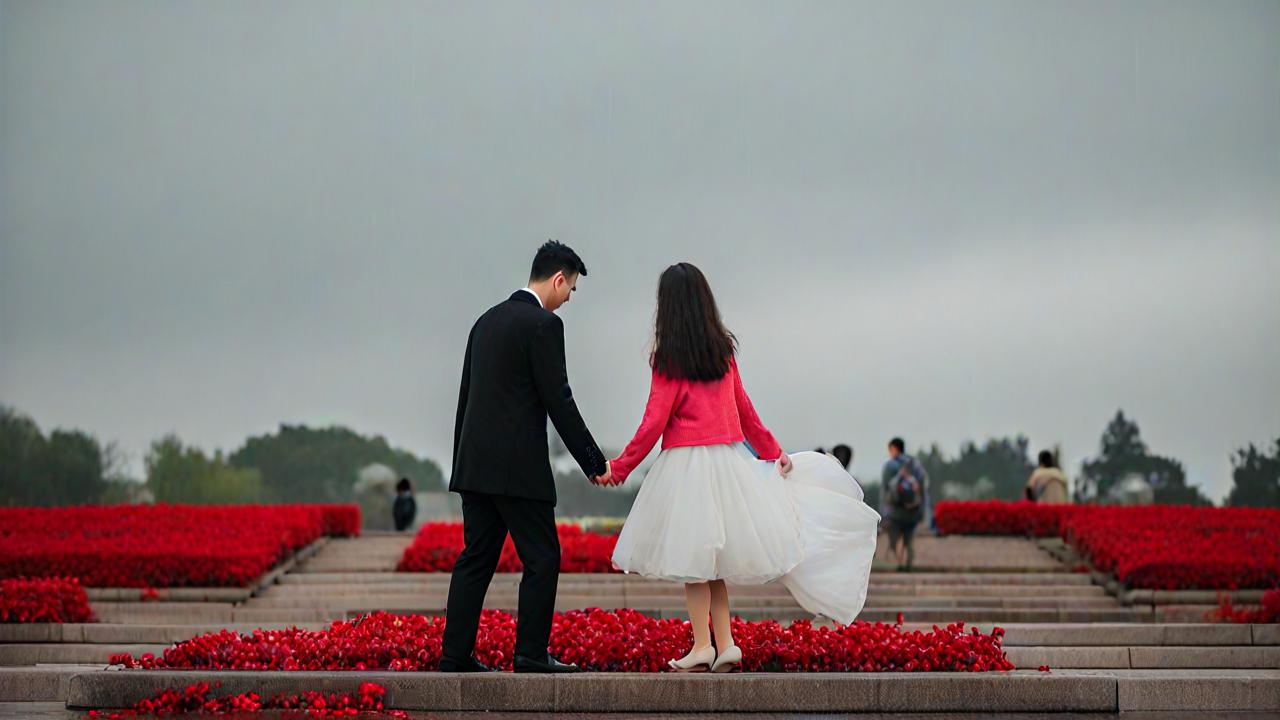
{"x": 536, "y": 297}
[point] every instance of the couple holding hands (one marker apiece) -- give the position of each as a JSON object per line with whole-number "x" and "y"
{"x": 712, "y": 511}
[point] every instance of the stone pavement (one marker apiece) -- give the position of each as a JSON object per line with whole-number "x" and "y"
{"x": 1108, "y": 653}
{"x": 58, "y": 711}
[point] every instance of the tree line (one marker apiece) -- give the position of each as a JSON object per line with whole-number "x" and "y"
{"x": 68, "y": 467}
{"x": 295, "y": 463}
{"x": 999, "y": 468}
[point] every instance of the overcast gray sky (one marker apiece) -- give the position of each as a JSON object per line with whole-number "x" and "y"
{"x": 935, "y": 219}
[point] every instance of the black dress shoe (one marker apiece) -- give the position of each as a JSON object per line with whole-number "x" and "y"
{"x": 470, "y": 665}
{"x": 547, "y": 665}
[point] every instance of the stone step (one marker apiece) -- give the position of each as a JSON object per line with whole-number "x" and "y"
{"x": 1166, "y": 657}
{"x": 1106, "y": 691}
{"x": 568, "y": 602}
{"x": 1195, "y": 657}
{"x": 675, "y": 590}
{"x": 1130, "y": 634}
{"x": 1181, "y": 613}
{"x": 147, "y": 614}
{"x": 323, "y": 564}
{"x": 391, "y": 553}
{"x": 871, "y": 614}
{"x": 70, "y": 653}
{"x": 157, "y": 612}
{"x": 386, "y": 549}
{"x": 186, "y": 613}
{"x": 1190, "y": 597}
{"x": 38, "y": 711}
{"x": 103, "y": 633}
{"x": 785, "y": 615}
{"x": 913, "y": 578}
{"x": 221, "y": 595}
{"x": 1016, "y": 634}
{"x": 44, "y": 683}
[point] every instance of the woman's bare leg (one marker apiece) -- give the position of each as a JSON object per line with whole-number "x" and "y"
{"x": 720, "y": 615}
{"x": 697, "y": 597}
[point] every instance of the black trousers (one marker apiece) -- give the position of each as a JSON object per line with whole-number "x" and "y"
{"x": 486, "y": 520}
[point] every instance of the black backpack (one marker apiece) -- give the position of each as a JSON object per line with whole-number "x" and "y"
{"x": 905, "y": 491}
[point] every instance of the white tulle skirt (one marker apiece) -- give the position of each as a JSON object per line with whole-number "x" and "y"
{"x": 715, "y": 512}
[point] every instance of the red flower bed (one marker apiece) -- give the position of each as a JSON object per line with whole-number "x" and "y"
{"x": 436, "y": 546}
{"x": 1173, "y": 547}
{"x": 149, "y": 546}
{"x": 43, "y": 600}
{"x": 196, "y": 699}
{"x": 1269, "y": 612}
{"x": 1149, "y": 546}
{"x": 598, "y": 640}
{"x": 340, "y": 520}
{"x": 996, "y": 517}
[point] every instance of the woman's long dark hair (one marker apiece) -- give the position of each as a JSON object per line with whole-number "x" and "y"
{"x": 690, "y": 340}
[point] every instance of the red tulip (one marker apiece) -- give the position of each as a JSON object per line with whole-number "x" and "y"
{"x": 44, "y": 600}
{"x": 1152, "y": 546}
{"x": 151, "y": 546}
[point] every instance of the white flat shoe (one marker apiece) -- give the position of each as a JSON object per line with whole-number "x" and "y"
{"x": 695, "y": 661}
{"x": 728, "y": 660}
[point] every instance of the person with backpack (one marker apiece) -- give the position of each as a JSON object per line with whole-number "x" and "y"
{"x": 904, "y": 492}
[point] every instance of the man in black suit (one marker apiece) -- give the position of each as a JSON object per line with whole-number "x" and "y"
{"x": 513, "y": 377}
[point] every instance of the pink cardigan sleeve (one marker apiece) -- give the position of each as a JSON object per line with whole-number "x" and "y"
{"x": 755, "y": 431}
{"x": 662, "y": 396}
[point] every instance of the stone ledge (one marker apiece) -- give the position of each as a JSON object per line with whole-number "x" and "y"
{"x": 1017, "y": 634}
{"x": 1171, "y": 656}
{"x": 1266, "y": 634}
{"x": 23, "y": 654}
{"x": 1080, "y": 656}
{"x": 1063, "y": 691}
{"x": 176, "y": 594}
{"x": 1131, "y": 634}
{"x": 1203, "y": 690}
{"x": 47, "y": 683}
{"x": 1078, "y": 691}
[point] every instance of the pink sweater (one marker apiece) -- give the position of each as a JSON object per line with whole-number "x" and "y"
{"x": 693, "y": 412}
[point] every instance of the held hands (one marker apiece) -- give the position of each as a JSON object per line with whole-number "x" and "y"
{"x": 784, "y": 465}
{"x": 607, "y": 478}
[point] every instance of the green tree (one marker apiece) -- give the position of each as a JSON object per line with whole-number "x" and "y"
{"x": 997, "y": 469}
{"x": 72, "y": 469}
{"x": 21, "y": 450}
{"x": 1123, "y": 453}
{"x": 1256, "y": 477}
{"x": 63, "y": 469}
{"x": 321, "y": 464}
{"x": 182, "y": 474}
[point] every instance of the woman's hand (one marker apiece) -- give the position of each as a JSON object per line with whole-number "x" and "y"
{"x": 606, "y": 479}
{"x": 784, "y": 465}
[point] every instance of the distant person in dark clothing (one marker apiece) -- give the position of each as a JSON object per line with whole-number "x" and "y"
{"x": 904, "y": 491}
{"x": 844, "y": 454}
{"x": 405, "y": 508}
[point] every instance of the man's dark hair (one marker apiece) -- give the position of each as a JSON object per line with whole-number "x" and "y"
{"x": 403, "y": 485}
{"x": 844, "y": 454}
{"x": 553, "y": 257}
{"x": 1047, "y": 460}
{"x": 897, "y": 442}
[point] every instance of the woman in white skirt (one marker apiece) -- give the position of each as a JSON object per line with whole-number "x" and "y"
{"x": 709, "y": 512}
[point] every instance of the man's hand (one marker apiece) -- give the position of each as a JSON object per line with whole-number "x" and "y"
{"x": 607, "y": 477}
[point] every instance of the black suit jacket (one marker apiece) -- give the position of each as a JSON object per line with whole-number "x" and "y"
{"x": 513, "y": 377}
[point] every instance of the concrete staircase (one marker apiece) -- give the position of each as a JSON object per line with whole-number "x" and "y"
{"x": 1105, "y": 656}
